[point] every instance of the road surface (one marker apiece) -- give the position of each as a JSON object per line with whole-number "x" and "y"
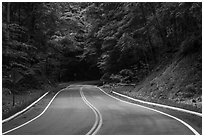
{"x": 83, "y": 109}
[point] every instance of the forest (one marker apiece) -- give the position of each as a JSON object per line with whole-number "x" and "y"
{"x": 53, "y": 42}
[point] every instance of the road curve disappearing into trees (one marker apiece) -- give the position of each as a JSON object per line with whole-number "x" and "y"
{"x": 83, "y": 109}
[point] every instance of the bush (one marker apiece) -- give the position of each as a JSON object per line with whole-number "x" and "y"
{"x": 29, "y": 82}
{"x": 6, "y": 91}
{"x": 105, "y": 78}
{"x": 191, "y": 45}
{"x": 126, "y": 72}
{"x": 127, "y": 75}
{"x": 6, "y": 83}
{"x": 187, "y": 92}
{"x": 116, "y": 78}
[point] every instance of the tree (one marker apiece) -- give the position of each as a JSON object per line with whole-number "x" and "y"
{"x": 50, "y": 39}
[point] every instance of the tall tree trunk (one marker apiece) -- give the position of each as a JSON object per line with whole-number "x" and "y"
{"x": 8, "y": 21}
{"x": 148, "y": 34}
{"x": 59, "y": 74}
{"x": 19, "y": 13}
{"x": 158, "y": 26}
{"x": 46, "y": 67}
{"x": 7, "y": 31}
{"x": 146, "y": 61}
{"x": 175, "y": 31}
{"x": 32, "y": 21}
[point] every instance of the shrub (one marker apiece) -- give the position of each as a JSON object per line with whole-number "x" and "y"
{"x": 127, "y": 75}
{"x": 187, "y": 92}
{"x": 105, "y": 78}
{"x": 191, "y": 45}
{"x": 126, "y": 72}
{"x": 116, "y": 78}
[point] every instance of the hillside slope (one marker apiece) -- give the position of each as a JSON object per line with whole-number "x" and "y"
{"x": 177, "y": 82}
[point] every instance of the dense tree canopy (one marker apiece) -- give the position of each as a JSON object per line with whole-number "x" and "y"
{"x": 52, "y": 42}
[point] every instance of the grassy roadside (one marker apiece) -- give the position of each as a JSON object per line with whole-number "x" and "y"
{"x": 24, "y": 100}
{"x": 193, "y": 120}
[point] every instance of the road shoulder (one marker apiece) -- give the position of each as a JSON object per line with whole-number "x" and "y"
{"x": 192, "y": 120}
{"x": 31, "y": 113}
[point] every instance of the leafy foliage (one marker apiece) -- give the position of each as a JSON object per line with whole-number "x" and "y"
{"x": 50, "y": 42}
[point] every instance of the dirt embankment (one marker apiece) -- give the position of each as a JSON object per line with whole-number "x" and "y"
{"x": 177, "y": 83}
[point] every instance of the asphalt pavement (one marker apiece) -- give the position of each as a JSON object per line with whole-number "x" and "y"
{"x": 83, "y": 109}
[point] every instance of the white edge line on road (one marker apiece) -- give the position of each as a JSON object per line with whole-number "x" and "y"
{"x": 160, "y": 105}
{"x": 97, "y": 114}
{"x": 34, "y": 117}
{"x": 187, "y": 125}
{"x": 20, "y": 112}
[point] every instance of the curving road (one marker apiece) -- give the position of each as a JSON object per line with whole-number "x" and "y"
{"x": 83, "y": 109}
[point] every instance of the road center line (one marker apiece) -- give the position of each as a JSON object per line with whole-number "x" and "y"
{"x": 98, "y": 122}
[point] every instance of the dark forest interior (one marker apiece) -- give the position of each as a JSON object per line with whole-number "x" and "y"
{"x": 49, "y": 43}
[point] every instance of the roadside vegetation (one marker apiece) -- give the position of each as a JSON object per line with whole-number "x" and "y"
{"x": 176, "y": 83}
{"x": 155, "y": 46}
{"x": 25, "y": 99}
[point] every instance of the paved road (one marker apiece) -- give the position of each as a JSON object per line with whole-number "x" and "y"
{"x": 87, "y": 110}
